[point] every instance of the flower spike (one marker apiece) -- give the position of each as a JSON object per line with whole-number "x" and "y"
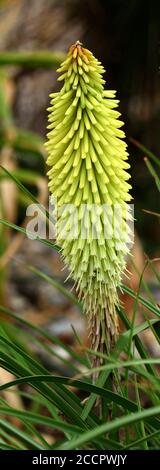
{"x": 89, "y": 177}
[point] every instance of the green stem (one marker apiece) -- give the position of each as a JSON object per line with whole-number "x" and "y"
{"x": 33, "y": 59}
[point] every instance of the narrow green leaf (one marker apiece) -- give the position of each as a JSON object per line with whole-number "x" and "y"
{"x": 152, "y": 172}
{"x": 152, "y": 308}
{"x": 41, "y": 420}
{"x": 36, "y": 237}
{"x": 146, "y": 151}
{"x": 118, "y": 423}
{"x": 44, "y": 334}
{"x": 20, "y": 434}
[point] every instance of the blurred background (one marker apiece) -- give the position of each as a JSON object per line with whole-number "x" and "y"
{"x": 34, "y": 37}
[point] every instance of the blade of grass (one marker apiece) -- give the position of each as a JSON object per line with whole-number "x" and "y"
{"x": 25, "y": 190}
{"x": 135, "y": 311}
{"x": 152, "y": 308}
{"x": 23, "y": 175}
{"x": 81, "y": 385}
{"x": 30, "y": 234}
{"x": 142, "y": 426}
{"x": 152, "y": 172}
{"x": 118, "y": 423}
{"x": 64, "y": 401}
{"x": 20, "y": 434}
{"x": 43, "y": 333}
{"x": 120, "y": 346}
{"x": 40, "y": 420}
{"x": 12, "y": 439}
{"x": 145, "y": 150}
{"x": 143, "y": 439}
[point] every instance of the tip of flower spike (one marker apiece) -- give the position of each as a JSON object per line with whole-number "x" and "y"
{"x": 78, "y": 43}
{"x": 78, "y": 64}
{"x": 77, "y": 50}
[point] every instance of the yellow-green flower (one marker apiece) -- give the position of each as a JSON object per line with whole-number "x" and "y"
{"x": 88, "y": 166}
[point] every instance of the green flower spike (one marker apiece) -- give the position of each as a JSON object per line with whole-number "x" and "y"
{"x": 89, "y": 173}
